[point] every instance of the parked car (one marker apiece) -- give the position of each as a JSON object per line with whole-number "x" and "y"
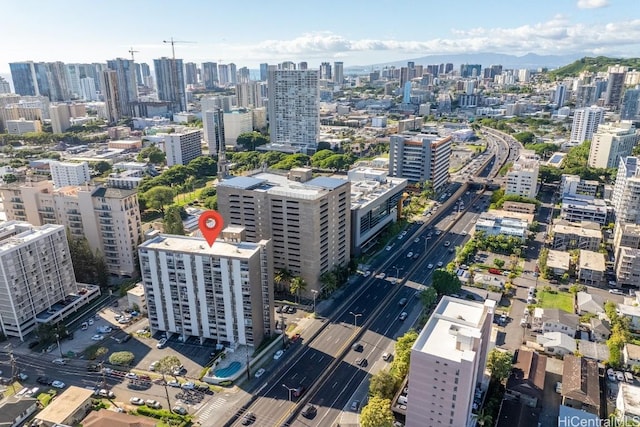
{"x": 173, "y": 383}
{"x": 44, "y": 380}
{"x": 103, "y": 392}
{"x": 97, "y": 337}
{"x": 355, "y": 405}
{"x": 153, "y": 404}
{"x": 386, "y": 356}
{"x": 278, "y": 354}
{"x": 136, "y": 401}
{"x": 154, "y": 365}
{"x": 180, "y": 410}
{"x": 161, "y": 343}
{"x": 131, "y": 376}
{"x": 260, "y": 372}
{"x": 188, "y": 385}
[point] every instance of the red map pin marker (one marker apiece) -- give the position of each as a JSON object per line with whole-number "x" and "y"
{"x": 210, "y": 233}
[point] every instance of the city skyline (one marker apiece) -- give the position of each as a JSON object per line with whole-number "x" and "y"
{"x": 333, "y": 32}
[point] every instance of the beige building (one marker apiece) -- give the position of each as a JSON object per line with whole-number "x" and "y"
{"x": 60, "y": 117}
{"x": 627, "y": 266}
{"x": 591, "y": 267}
{"x": 222, "y": 292}
{"x": 610, "y": 143}
{"x": 522, "y": 177}
{"x": 448, "y": 363}
{"x": 626, "y": 234}
{"x": 558, "y": 262}
{"x": 109, "y": 218}
{"x": 68, "y": 409}
{"x": 519, "y": 207}
{"x": 22, "y": 126}
{"x": 136, "y": 298}
{"x": 420, "y": 158}
{"x": 307, "y": 219}
{"x": 568, "y": 235}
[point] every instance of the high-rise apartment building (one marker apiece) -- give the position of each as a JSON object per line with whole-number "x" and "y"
{"x": 522, "y": 177}
{"x": 236, "y": 122}
{"x": 610, "y": 143}
{"x": 222, "y": 292}
{"x": 213, "y": 129}
{"x": 64, "y": 174}
{"x": 448, "y": 362}
{"x": 170, "y": 82}
{"x": 223, "y": 75}
{"x": 23, "y": 75}
{"x": 264, "y": 70}
{"x": 626, "y": 192}
{"x": 182, "y": 147}
{"x": 470, "y": 70}
{"x": 127, "y": 86}
{"x": 209, "y": 75}
{"x": 307, "y": 219}
{"x": 294, "y": 107}
{"x": 325, "y": 71}
{"x": 88, "y": 88}
{"x": 630, "y": 109}
{"x": 615, "y": 86}
{"x": 585, "y": 123}
{"x": 5, "y": 87}
{"x": 36, "y": 275}
{"x": 420, "y": 158}
{"x": 60, "y": 117}
{"x": 111, "y": 95}
{"x": 626, "y": 244}
{"x": 108, "y": 218}
{"x": 191, "y": 73}
{"x": 560, "y": 95}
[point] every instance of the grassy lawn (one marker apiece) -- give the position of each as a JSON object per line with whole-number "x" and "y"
{"x": 561, "y": 300}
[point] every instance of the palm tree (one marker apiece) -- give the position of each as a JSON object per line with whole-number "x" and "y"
{"x": 282, "y": 278}
{"x": 484, "y": 418}
{"x": 296, "y": 285}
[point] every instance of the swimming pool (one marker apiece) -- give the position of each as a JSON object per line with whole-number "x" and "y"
{"x": 228, "y": 371}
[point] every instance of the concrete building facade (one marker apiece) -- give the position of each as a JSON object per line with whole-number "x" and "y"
{"x": 610, "y": 143}
{"x": 182, "y": 147}
{"x": 222, "y": 292}
{"x": 585, "y": 123}
{"x": 308, "y": 220}
{"x": 626, "y": 192}
{"x": 64, "y": 174}
{"x": 522, "y": 177}
{"x": 420, "y": 158}
{"x": 448, "y": 362}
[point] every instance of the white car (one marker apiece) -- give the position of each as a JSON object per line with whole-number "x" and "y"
{"x": 173, "y": 383}
{"x": 440, "y": 264}
{"x": 278, "y": 354}
{"x": 260, "y": 372}
{"x": 430, "y": 266}
{"x": 103, "y": 392}
{"x": 58, "y": 384}
{"x": 188, "y": 386}
{"x": 416, "y": 240}
{"x": 161, "y": 343}
{"x": 59, "y": 362}
{"x": 131, "y": 376}
{"x": 410, "y": 254}
{"x": 367, "y": 273}
{"x": 388, "y": 248}
{"x": 97, "y": 337}
{"x": 438, "y": 232}
{"x": 136, "y": 401}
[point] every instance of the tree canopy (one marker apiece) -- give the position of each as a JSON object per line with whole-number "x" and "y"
{"x": 121, "y": 358}
{"x": 383, "y": 385}
{"x": 250, "y": 140}
{"x": 153, "y": 154}
{"x": 446, "y": 283}
{"x": 172, "y": 222}
{"x": 377, "y": 413}
{"x": 499, "y": 364}
{"x": 158, "y": 197}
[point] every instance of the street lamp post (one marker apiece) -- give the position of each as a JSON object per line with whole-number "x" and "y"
{"x": 397, "y": 271}
{"x": 59, "y": 348}
{"x": 315, "y": 293}
{"x": 289, "y": 389}
{"x": 355, "y": 318}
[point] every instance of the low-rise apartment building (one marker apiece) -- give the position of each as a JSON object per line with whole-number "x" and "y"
{"x": 567, "y": 236}
{"x": 577, "y": 208}
{"x": 492, "y": 225}
{"x": 591, "y": 267}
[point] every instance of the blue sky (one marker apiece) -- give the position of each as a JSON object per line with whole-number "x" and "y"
{"x": 357, "y": 32}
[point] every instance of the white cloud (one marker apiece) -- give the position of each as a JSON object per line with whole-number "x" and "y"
{"x": 592, "y": 4}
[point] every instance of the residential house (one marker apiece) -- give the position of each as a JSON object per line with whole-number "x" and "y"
{"x": 581, "y": 384}
{"x": 597, "y": 351}
{"x": 631, "y": 354}
{"x": 628, "y": 402}
{"x": 632, "y": 313}
{"x": 599, "y": 329}
{"x": 105, "y": 418}
{"x": 527, "y": 377}
{"x": 69, "y": 408}
{"x": 587, "y": 303}
{"x": 556, "y": 320}
{"x": 557, "y": 343}
{"x": 13, "y": 410}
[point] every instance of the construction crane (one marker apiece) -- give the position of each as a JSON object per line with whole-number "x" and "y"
{"x": 131, "y": 51}
{"x": 173, "y": 47}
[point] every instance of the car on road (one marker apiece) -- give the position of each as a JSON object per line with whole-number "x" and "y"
{"x": 44, "y": 380}
{"x": 430, "y": 266}
{"x": 161, "y": 343}
{"x": 97, "y": 337}
{"x": 188, "y": 385}
{"x": 440, "y": 264}
{"x": 136, "y": 401}
{"x": 416, "y": 240}
{"x": 60, "y": 384}
{"x": 299, "y": 391}
{"x": 309, "y": 411}
{"x": 59, "y": 362}
{"x": 278, "y": 354}
{"x": 361, "y": 362}
{"x": 355, "y": 405}
{"x": 356, "y": 346}
{"x": 248, "y": 418}
{"x": 180, "y": 410}
{"x": 386, "y": 356}
{"x": 131, "y": 376}
{"x": 104, "y": 329}
{"x": 447, "y": 243}
{"x": 616, "y": 292}
{"x": 388, "y": 248}
{"x": 416, "y": 255}
{"x": 403, "y": 315}
{"x": 410, "y": 254}
{"x": 260, "y": 372}
{"x": 153, "y": 404}
{"x": 438, "y": 232}
{"x": 367, "y": 273}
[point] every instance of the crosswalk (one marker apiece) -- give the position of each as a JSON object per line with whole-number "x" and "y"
{"x": 206, "y": 411}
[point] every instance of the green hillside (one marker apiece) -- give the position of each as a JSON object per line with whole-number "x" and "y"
{"x": 599, "y": 63}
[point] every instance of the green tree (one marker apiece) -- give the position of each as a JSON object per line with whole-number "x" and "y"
{"x": 382, "y": 384}
{"x": 158, "y": 197}
{"x": 9, "y": 178}
{"x": 121, "y": 358}
{"x": 400, "y": 364}
{"x": 319, "y": 156}
{"x": 296, "y": 285}
{"x": 282, "y": 278}
{"x": 167, "y": 365}
{"x": 377, "y": 413}
{"x": 429, "y": 297}
{"x": 100, "y": 269}
{"x": 203, "y": 167}
{"x": 525, "y": 137}
{"x": 498, "y": 262}
{"x": 499, "y": 364}
{"x": 484, "y": 418}
{"x": 172, "y": 222}
{"x": 250, "y": 140}
{"x": 101, "y": 167}
{"x": 445, "y": 282}
{"x": 153, "y": 154}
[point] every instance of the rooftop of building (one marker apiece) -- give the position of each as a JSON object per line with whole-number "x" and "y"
{"x": 12, "y": 407}
{"x": 282, "y": 185}
{"x": 517, "y": 216}
{"x": 580, "y": 381}
{"x": 578, "y": 230}
{"x": 558, "y": 259}
{"x": 581, "y": 200}
{"x": 631, "y": 398}
{"x": 561, "y": 316}
{"x": 199, "y": 246}
{"x": 591, "y": 260}
{"x": 65, "y": 405}
{"x": 113, "y": 193}
{"x": 452, "y": 316}
{"x": 528, "y": 372}
{"x": 106, "y": 418}
{"x": 19, "y": 233}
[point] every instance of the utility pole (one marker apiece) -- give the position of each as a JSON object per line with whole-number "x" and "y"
{"x": 248, "y": 364}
